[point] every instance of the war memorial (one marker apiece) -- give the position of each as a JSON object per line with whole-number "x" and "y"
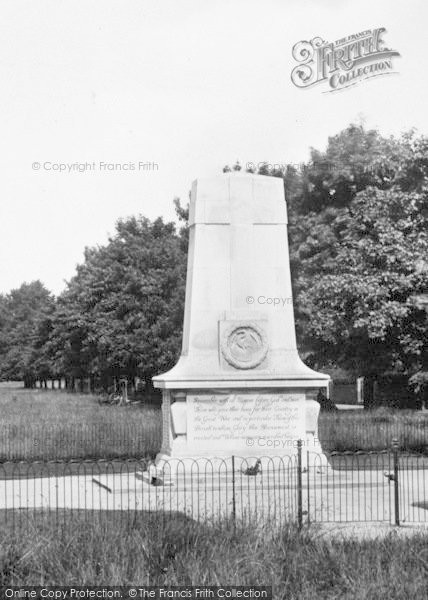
{"x": 239, "y": 387}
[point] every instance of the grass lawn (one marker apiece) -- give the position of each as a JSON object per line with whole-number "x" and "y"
{"x": 55, "y": 425}
{"x": 373, "y": 430}
{"x": 102, "y": 550}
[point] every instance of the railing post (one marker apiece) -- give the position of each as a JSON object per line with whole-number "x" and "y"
{"x": 299, "y": 485}
{"x": 307, "y": 487}
{"x": 395, "y": 458}
{"x": 233, "y": 494}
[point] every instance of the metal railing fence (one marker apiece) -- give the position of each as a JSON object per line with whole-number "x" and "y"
{"x": 304, "y": 488}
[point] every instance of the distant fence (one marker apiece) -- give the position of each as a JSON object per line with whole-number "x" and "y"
{"x": 388, "y": 487}
{"x": 391, "y": 390}
{"x": 134, "y": 387}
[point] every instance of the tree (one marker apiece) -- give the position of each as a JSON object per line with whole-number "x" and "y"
{"x": 357, "y": 229}
{"x": 121, "y": 315}
{"x": 360, "y": 309}
{"x": 354, "y": 159}
{"x": 24, "y": 310}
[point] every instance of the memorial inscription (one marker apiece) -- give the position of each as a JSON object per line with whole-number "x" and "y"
{"x": 237, "y": 417}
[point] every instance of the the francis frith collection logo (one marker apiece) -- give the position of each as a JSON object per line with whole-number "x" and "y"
{"x": 342, "y": 63}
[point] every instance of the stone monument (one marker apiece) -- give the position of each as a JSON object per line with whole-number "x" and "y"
{"x": 239, "y": 387}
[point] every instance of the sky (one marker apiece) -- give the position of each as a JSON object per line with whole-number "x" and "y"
{"x": 182, "y": 87}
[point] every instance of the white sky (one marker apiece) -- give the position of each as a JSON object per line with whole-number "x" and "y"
{"x": 189, "y": 84}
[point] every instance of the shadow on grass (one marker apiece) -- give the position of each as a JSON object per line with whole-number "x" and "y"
{"x": 83, "y": 468}
{"x": 373, "y": 461}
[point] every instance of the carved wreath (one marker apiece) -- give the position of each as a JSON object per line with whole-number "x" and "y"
{"x": 244, "y": 345}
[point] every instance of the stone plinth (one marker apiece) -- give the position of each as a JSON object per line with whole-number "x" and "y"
{"x": 239, "y": 387}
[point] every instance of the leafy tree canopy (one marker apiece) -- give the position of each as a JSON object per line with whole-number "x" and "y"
{"x": 358, "y": 249}
{"x": 122, "y": 312}
{"x": 24, "y": 313}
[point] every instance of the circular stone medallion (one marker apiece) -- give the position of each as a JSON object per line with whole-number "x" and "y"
{"x": 244, "y": 346}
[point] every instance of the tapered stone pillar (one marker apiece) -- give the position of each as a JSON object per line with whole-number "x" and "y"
{"x": 239, "y": 386}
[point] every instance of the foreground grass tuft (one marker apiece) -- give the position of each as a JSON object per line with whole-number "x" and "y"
{"x": 176, "y": 551}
